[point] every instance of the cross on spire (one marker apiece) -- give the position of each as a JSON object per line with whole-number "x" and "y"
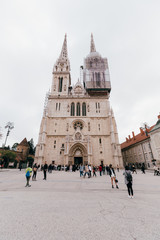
{"x": 93, "y": 48}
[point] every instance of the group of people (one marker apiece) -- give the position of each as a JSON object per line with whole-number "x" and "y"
{"x": 35, "y": 169}
{"x": 89, "y": 171}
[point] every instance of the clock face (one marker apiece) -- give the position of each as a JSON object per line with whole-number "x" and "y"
{"x": 62, "y": 64}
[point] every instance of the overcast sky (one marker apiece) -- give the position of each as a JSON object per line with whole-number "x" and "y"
{"x": 127, "y": 32}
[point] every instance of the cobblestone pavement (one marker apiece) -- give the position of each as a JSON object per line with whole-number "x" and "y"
{"x": 65, "y": 207}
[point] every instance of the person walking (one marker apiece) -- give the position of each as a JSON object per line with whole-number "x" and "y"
{"x": 103, "y": 169}
{"x": 143, "y": 168}
{"x": 113, "y": 176}
{"x": 85, "y": 170}
{"x": 89, "y": 171}
{"x": 45, "y": 170}
{"x": 134, "y": 169}
{"x": 20, "y": 166}
{"x": 28, "y": 176}
{"x": 155, "y": 170}
{"x": 107, "y": 169}
{"x": 128, "y": 181}
{"x": 94, "y": 171}
{"x": 100, "y": 170}
{"x": 34, "y": 172}
{"x": 81, "y": 168}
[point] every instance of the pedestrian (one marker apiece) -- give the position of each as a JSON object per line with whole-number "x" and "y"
{"x": 50, "y": 168}
{"x": 143, "y": 168}
{"x": 34, "y": 172}
{"x": 128, "y": 181}
{"x": 86, "y": 171}
{"x": 45, "y": 167}
{"x": 134, "y": 169}
{"x": 89, "y": 171}
{"x": 103, "y": 169}
{"x": 155, "y": 170}
{"x": 94, "y": 171}
{"x": 113, "y": 176}
{"x": 107, "y": 169}
{"x": 20, "y": 166}
{"x": 81, "y": 168}
{"x": 100, "y": 170}
{"x": 28, "y": 176}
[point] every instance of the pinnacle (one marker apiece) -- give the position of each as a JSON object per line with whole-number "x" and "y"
{"x": 64, "y": 53}
{"x": 93, "y": 48}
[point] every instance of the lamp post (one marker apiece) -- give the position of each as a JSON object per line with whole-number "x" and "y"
{"x": 10, "y": 126}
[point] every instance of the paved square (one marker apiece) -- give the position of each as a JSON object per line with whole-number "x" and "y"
{"x": 66, "y": 207}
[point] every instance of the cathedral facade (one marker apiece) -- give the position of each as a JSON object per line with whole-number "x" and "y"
{"x": 78, "y": 124}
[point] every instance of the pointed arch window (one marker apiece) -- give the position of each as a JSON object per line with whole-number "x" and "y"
{"x": 78, "y": 109}
{"x": 72, "y": 109}
{"x": 84, "y": 109}
{"x": 60, "y": 84}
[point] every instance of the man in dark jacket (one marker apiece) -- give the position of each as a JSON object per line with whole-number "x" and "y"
{"x": 45, "y": 170}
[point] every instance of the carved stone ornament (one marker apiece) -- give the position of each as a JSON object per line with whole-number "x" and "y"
{"x": 78, "y": 136}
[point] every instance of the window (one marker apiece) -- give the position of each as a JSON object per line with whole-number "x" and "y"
{"x": 56, "y": 106}
{"x": 97, "y": 107}
{"x": 78, "y": 125}
{"x": 99, "y": 127}
{"x": 84, "y": 109}
{"x": 78, "y": 109}
{"x": 89, "y": 127}
{"x": 72, "y": 109}
{"x": 100, "y": 141}
{"x": 60, "y": 84}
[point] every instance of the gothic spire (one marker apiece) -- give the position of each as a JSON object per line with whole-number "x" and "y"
{"x": 62, "y": 63}
{"x": 64, "y": 53}
{"x": 93, "y": 48}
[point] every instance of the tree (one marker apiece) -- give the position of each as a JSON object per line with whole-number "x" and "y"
{"x": 7, "y": 157}
{"x": 30, "y": 161}
{"x": 14, "y": 147}
{"x": 31, "y": 147}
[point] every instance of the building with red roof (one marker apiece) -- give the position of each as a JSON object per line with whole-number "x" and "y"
{"x": 137, "y": 149}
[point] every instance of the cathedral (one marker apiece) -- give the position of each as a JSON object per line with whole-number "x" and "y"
{"x": 78, "y": 124}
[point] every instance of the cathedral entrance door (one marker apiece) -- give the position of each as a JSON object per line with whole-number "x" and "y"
{"x": 78, "y": 160}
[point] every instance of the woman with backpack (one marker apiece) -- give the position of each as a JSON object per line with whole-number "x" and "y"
{"x": 128, "y": 181}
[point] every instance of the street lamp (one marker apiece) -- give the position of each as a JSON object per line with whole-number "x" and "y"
{"x": 10, "y": 126}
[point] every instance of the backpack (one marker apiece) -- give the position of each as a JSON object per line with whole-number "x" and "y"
{"x": 27, "y": 174}
{"x": 129, "y": 177}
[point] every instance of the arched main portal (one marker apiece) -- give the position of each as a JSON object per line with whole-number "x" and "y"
{"x": 78, "y": 154}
